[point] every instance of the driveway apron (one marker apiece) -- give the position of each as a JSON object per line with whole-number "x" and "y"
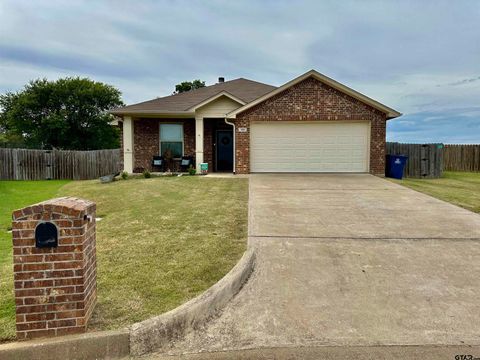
{"x": 351, "y": 260}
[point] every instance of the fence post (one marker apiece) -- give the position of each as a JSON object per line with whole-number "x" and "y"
{"x": 48, "y": 165}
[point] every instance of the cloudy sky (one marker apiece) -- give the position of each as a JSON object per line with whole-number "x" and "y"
{"x": 420, "y": 57}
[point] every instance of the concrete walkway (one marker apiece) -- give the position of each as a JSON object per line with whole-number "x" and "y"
{"x": 351, "y": 260}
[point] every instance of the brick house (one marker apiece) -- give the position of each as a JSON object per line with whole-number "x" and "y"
{"x": 310, "y": 124}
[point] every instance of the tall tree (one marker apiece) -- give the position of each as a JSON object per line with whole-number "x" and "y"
{"x": 188, "y": 85}
{"x": 69, "y": 113}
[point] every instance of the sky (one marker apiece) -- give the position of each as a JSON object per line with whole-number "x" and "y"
{"x": 421, "y": 58}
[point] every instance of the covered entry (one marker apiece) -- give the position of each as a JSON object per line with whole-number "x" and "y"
{"x": 333, "y": 146}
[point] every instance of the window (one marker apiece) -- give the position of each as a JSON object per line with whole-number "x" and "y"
{"x": 171, "y": 138}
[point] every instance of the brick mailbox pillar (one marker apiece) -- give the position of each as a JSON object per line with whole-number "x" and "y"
{"x": 54, "y": 267}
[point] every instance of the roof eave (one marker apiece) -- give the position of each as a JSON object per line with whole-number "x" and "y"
{"x": 158, "y": 113}
{"x": 393, "y": 115}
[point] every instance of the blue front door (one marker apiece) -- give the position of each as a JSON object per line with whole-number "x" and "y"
{"x": 224, "y": 150}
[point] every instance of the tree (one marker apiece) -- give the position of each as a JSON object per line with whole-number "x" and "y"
{"x": 188, "y": 85}
{"x": 70, "y": 113}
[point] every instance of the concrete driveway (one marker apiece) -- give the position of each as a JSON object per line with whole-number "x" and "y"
{"x": 351, "y": 260}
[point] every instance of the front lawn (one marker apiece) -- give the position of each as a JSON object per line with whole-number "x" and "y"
{"x": 160, "y": 242}
{"x": 459, "y": 188}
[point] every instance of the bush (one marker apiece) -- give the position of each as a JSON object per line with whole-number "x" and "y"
{"x": 124, "y": 175}
{"x": 146, "y": 174}
{"x": 192, "y": 170}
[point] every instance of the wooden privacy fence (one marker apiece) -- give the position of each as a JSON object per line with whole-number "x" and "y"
{"x": 25, "y": 164}
{"x": 461, "y": 158}
{"x": 424, "y": 160}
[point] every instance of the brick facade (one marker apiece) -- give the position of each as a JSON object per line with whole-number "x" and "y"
{"x": 55, "y": 287}
{"x": 208, "y": 139}
{"x": 147, "y": 140}
{"x": 312, "y": 100}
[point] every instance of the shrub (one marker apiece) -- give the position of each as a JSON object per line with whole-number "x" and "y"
{"x": 192, "y": 170}
{"x": 146, "y": 174}
{"x": 124, "y": 175}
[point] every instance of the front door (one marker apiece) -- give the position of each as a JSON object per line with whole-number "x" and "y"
{"x": 224, "y": 150}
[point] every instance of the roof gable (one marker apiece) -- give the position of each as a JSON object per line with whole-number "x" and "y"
{"x": 391, "y": 113}
{"x": 215, "y": 97}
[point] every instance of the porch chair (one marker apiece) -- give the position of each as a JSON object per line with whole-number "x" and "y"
{"x": 158, "y": 163}
{"x": 185, "y": 163}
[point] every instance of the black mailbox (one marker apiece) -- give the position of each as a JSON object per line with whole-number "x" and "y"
{"x": 46, "y": 235}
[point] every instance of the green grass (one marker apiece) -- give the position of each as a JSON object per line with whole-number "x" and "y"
{"x": 15, "y": 195}
{"x": 459, "y": 188}
{"x": 161, "y": 242}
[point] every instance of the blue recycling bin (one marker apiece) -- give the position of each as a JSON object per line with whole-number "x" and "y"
{"x": 395, "y": 165}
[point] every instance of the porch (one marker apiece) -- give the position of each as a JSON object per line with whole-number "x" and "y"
{"x": 205, "y": 140}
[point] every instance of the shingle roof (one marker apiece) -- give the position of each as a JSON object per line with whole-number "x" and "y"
{"x": 244, "y": 89}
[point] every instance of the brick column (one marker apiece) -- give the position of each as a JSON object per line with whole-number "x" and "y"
{"x": 242, "y": 146}
{"x": 55, "y": 286}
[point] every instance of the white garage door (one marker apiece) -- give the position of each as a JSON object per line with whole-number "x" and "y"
{"x": 309, "y": 147}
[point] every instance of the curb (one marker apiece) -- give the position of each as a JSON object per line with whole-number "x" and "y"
{"x": 140, "y": 338}
{"x": 346, "y": 352}
{"x": 94, "y": 345}
{"x": 155, "y": 333}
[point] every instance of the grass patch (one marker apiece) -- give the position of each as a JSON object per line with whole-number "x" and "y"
{"x": 161, "y": 242}
{"x": 459, "y": 188}
{"x": 15, "y": 195}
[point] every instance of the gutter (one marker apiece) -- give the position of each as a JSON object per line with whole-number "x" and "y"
{"x": 234, "y": 150}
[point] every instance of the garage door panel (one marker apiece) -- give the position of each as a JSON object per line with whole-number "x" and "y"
{"x": 357, "y": 140}
{"x": 309, "y": 147}
{"x": 344, "y": 140}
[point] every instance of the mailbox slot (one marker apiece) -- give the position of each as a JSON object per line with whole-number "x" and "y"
{"x": 46, "y": 235}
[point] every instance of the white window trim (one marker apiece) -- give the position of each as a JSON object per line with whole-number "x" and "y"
{"x": 160, "y": 137}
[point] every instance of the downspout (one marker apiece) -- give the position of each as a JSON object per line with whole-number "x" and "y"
{"x": 234, "y": 150}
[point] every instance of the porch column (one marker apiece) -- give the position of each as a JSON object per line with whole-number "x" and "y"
{"x": 198, "y": 142}
{"x": 128, "y": 144}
